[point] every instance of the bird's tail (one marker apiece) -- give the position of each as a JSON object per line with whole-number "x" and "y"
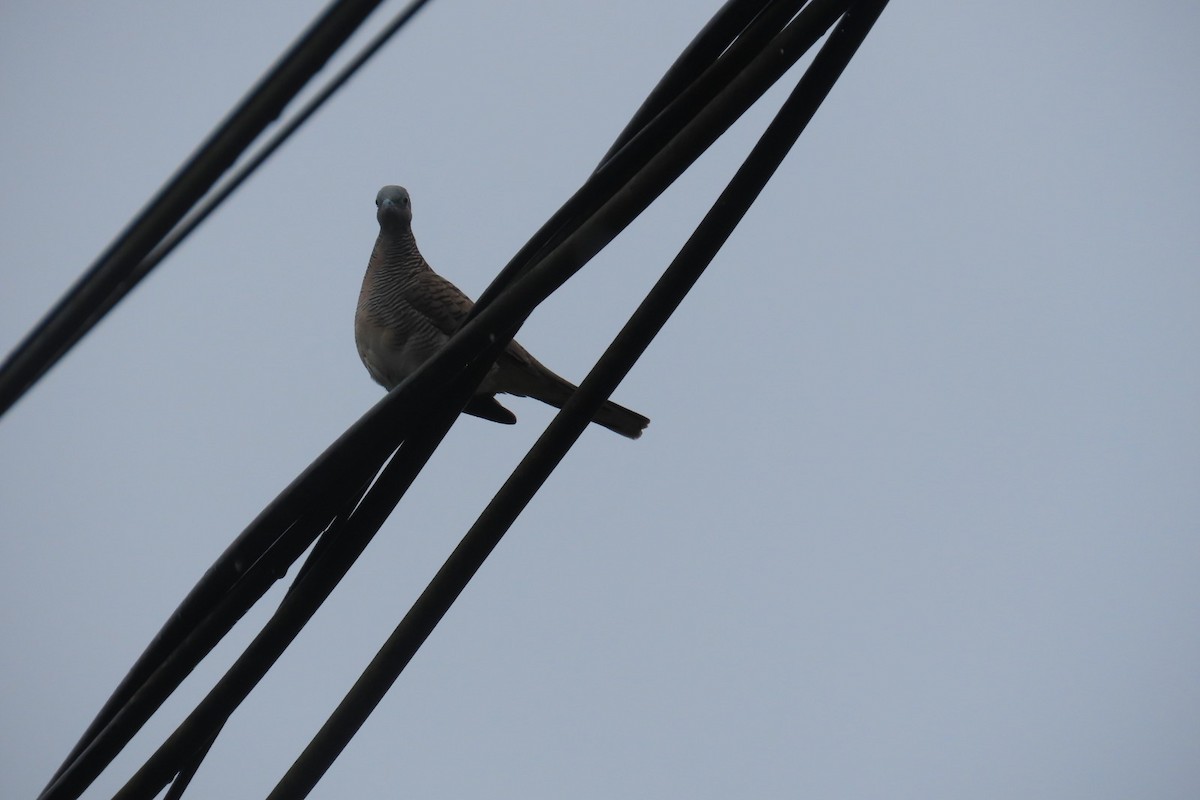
{"x": 556, "y": 391}
{"x": 619, "y": 419}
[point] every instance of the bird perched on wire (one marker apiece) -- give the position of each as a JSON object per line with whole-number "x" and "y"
{"x": 406, "y": 312}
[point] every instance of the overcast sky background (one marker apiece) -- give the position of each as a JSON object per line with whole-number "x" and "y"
{"x": 918, "y": 511}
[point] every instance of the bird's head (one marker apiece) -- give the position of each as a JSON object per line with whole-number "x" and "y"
{"x": 393, "y": 208}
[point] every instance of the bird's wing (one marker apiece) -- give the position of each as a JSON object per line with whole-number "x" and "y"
{"x": 447, "y": 307}
{"x": 439, "y": 301}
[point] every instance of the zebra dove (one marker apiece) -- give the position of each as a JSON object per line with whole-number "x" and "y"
{"x": 406, "y": 311}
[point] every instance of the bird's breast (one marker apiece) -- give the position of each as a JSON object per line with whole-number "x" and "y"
{"x": 393, "y": 348}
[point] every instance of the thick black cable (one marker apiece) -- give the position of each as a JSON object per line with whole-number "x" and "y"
{"x": 125, "y": 720}
{"x": 716, "y": 58}
{"x": 188, "y": 771}
{"x": 565, "y": 429}
{"x": 347, "y": 543}
{"x": 675, "y": 136}
{"x": 110, "y": 275}
{"x": 245, "y": 583}
{"x": 718, "y": 33}
{"x": 223, "y": 596}
{"x": 291, "y": 616}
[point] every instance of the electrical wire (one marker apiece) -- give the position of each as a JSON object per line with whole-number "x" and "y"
{"x": 331, "y": 499}
{"x": 115, "y": 273}
{"x": 228, "y": 186}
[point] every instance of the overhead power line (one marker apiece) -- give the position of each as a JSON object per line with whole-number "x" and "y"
{"x": 347, "y": 493}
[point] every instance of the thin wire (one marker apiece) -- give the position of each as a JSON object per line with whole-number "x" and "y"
{"x": 231, "y": 184}
{"x": 111, "y": 276}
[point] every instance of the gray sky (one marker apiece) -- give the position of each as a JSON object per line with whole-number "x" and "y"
{"x": 917, "y": 514}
